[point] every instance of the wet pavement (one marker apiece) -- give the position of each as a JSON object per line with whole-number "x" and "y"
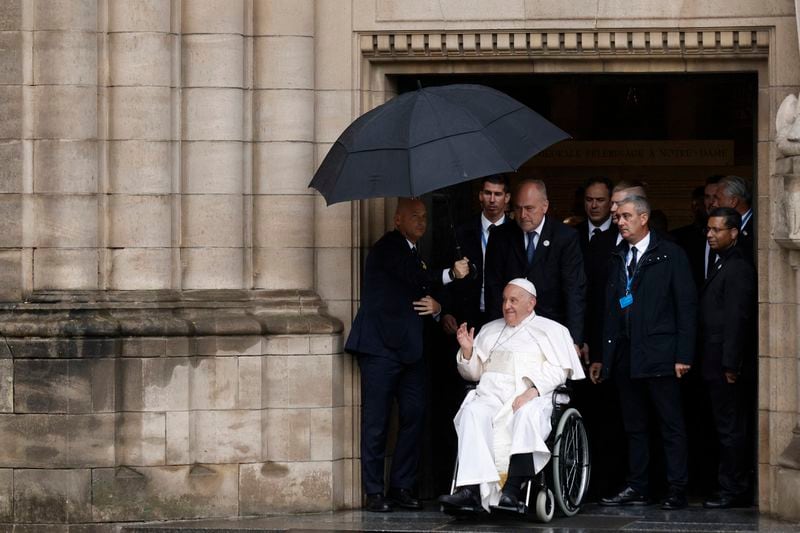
{"x": 591, "y": 518}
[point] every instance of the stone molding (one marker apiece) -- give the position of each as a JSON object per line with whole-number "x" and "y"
{"x": 167, "y": 313}
{"x": 666, "y": 42}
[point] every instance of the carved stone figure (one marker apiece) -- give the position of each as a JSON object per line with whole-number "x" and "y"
{"x": 787, "y": 125}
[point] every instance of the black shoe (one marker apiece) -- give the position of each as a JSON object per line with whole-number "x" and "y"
{"x": 403, "y": 498}
{"x": 464, "y": 499}
{"x": 726, "y": 502}
{"x": 508, "y": 501}
{"x": 676, "y": 500}
{"x": 628, "y": 496}
{"x": 376, "y": 503}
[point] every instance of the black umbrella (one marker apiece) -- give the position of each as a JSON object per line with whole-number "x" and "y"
{"x": 431, "y": 138}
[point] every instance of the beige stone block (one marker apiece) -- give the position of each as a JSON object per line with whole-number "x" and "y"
{"x": 334, "y": 112}
{"x": 212, "y": 268}
{"x": 11, "y": 155}
{"x": 213, "y": 114}
{"x": 63, "y": 386}
{"x": 285, "y": 487}
{"x": 139, "y": 15}
{"x": 64, "y": 58}
{"x": 213, "y": 16}
{"x": 212, "y": 220}
{"x": 140, "y": 59}
{"x": 765, "y": 392}
{"x": 10, "y": 220}
{"x": 154, "y": 384}
{"x": 140, "y": 221}
{"x": 140, "y": 439}
{"x": 73, "y": 15}
{"x": 333, "y": 45}
{"x": 286, "y": 345}
{"x": 54, "y": 496}
{"x": 332, "y": 224}
{"x": 213, "y": 383}
{"x": 301, "y": 434}
{"x": 287, "y": 268}
{"x": 65, "y": 221}
{"x": 140, "y": 113}
{"x": 278, "y": 17}
{"x": 6, "y": 386}
{"x": 7, "y": 495}
{"x": 226, "y": 436}
{"x": 786, "y": 52}
{"x": 164, "y": 492}
{"x": 284, "y": 115}
{"x": 212, "y": 167}
{"x": 140, "y": 269}
{"x": 334, "y": 273}
{"x": 783, "y": 330}
{"x": 64, "y": 112}
{"x": 11, "y": 59}
{"x": 140, "y": 167}
{"x": 249, "y": 383}
{"x": 284, "y": 62}
{"x": 10, "y": 112}
{"x": 65, "y": 166}
{"x": 65, "y": 269}
{"x": 764, "y": 345}
{"x": 276, "y": 221}
{"x": 787, "y": 487}
{"x": 177, "y": 438}
{"x": 228, "y": 345}
{"x": 282, "y": 167}
{"x": 325, "y": 344}
{"x": 762, "y": 419}
{"x": 213, "y": 60}
{"x": 785, "y": 382}
{"x": 300, "y": 383}
{"x": 344, "y": 310}
{"x": 11, "y": 15}
{"x": 765, "y": 486}
{"x": 781, "y": 425}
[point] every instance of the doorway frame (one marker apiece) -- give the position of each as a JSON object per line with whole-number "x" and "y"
{"x": 384, "y": 55}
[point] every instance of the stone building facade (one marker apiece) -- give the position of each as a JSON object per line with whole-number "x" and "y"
{"x": 174, "y": 297}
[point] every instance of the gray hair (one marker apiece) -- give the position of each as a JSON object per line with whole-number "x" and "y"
{"x": 736, "y": 186}
{"x": 538, "y": 184}
{"x": 640, "y": 204}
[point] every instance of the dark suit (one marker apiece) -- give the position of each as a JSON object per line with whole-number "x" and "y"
{"x": 727, "y": 318}
{"x": 583, "y": 237}
{"x": 463, "y": 297}
{"x": 692, "y": 239}
{"x": 387, "y": 338}
{"x": 747, "y": 237}
{"x": 642, "y": 344}
{"x": 598, "y": 257}
{"x": 557, "y": 273}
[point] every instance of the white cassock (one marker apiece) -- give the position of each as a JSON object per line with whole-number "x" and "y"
{"x": 489, "y": 432}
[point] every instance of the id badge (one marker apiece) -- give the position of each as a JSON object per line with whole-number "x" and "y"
{"x": 625, "y": 301}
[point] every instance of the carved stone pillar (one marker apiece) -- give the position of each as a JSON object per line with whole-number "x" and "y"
{"x": 283, "y": 150}
{"x": 61, "y": 121}
{"x": 140, "y": 147}
{"x": 212, "y": 148}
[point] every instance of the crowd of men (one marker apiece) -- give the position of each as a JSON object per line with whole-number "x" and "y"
{"x": 652, "y": 317}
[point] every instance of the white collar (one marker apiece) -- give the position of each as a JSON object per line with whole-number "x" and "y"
{"x": 538, "y": 230}
{"x": 643, "y": 244}
{"x": 485, "y": 222}
{"x": 411, "y": 245}
{"x": 602, "y": 227}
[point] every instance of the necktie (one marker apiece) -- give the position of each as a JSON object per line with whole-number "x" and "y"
{"x": 531, "y": 246}
{"x": 712, "y": 261}
{"x": 595, "y": 233}
{"x": 632, "y": 264}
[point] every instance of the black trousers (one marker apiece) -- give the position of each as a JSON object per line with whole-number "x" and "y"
{"x": 636, "y": 394}
{"x": 728, "y": 403}
{"x": 382, "y": 381}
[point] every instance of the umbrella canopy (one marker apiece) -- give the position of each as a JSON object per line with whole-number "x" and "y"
{"x": 431, "y": 138}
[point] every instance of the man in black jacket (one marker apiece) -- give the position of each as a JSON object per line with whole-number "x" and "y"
{"x": 387, "y": 339}
{"x": 648, "y": 341}
{"x": 735, "y": 192}
{"x": 543, "y": 250}
{"x": 727, "y": 314}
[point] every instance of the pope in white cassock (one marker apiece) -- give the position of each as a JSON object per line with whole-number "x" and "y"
{"x": 502, "y": 425}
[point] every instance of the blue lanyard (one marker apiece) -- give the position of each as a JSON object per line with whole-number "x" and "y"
{"x": 628, "y": 278}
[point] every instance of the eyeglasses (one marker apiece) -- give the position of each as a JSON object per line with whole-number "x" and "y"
{"x": 714, "y": 231}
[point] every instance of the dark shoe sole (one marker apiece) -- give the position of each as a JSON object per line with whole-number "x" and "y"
{"x": 635, "y": 503}
{"x": 395, "y": 503}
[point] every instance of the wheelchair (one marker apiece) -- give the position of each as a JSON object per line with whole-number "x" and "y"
{"x": 563, "y": 482}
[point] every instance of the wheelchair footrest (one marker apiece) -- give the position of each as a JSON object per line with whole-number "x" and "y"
{"x": 521, "y": 508}
{"x": 453, "y": 510}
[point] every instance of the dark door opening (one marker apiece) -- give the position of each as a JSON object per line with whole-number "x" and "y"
{"x": 671, "y": 131}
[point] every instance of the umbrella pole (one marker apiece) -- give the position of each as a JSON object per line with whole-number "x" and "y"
{"x": 473, "y": 270}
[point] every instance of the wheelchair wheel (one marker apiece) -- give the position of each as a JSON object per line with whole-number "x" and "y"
{"x": 570, "y": 460}
{"x": 545, "y": 506}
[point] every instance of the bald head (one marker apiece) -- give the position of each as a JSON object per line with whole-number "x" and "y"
{"x": 411, "y": 218}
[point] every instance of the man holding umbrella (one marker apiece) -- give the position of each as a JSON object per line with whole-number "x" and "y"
{"x": 386, "y": 337}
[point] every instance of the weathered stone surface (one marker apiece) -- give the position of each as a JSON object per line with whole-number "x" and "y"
{"x": 11, "y": 59}
{"x": 140, "y": 59}
{"x": 11, "y": 170}
{"x": 141, "y": 269}
{"x": 178, "y": 442}
{"x": 65, "y": 166}
{"x": 65, "y": 58}
{"x": 139, "y": 15}
{"x": 282, "y": 167}
{"x": 6, "y": 385}
{"x": 212, "y": 114}
{"x": 283, "y": 267}
{"x": 225, "y": 436}
{"x": 212, "y": 268}
{"x": 140, "y": 439}
{"x": 230, "y": 345}
{"x": 291, "y": 381}
{"x": 65, "y": 269}
{"x": 140, "y": 113}
{"x": 214, "y": 381}
{"x": 154, "y": 384}
{"x": 275, "y": 223}
{"x": 284, "y": 62}
{"x": 10, "y": 276}
{"x": 64, "y": 112}
{"x": 6, "y": 495}
{"x": 249, "y": 383}
{"x": 285, "y": 487}
{"x": 213, "y": 60}
{"x": 66, "y": 221}
{"x": 140, "y": 221}
{"x": 209, "y": 167}
{"x": 10, "y": 112}
{"x": 64, "y": 386}
{"x": 213, "y": 16}
{"x": 284, "y": 115}
{"x": 60, "y": 496}
{"x": 140, "y": 167}
{"x": 11, "y": 15}
{"x": 213, "y": 220}
{"x": 10, "y": 220}
{"x": 787, "y": 487}
{"x": 299, "y": 434}
{"x": 164, "y": 493}
{"x": 277, "y": 17}
{"x": 75, "y": 15}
